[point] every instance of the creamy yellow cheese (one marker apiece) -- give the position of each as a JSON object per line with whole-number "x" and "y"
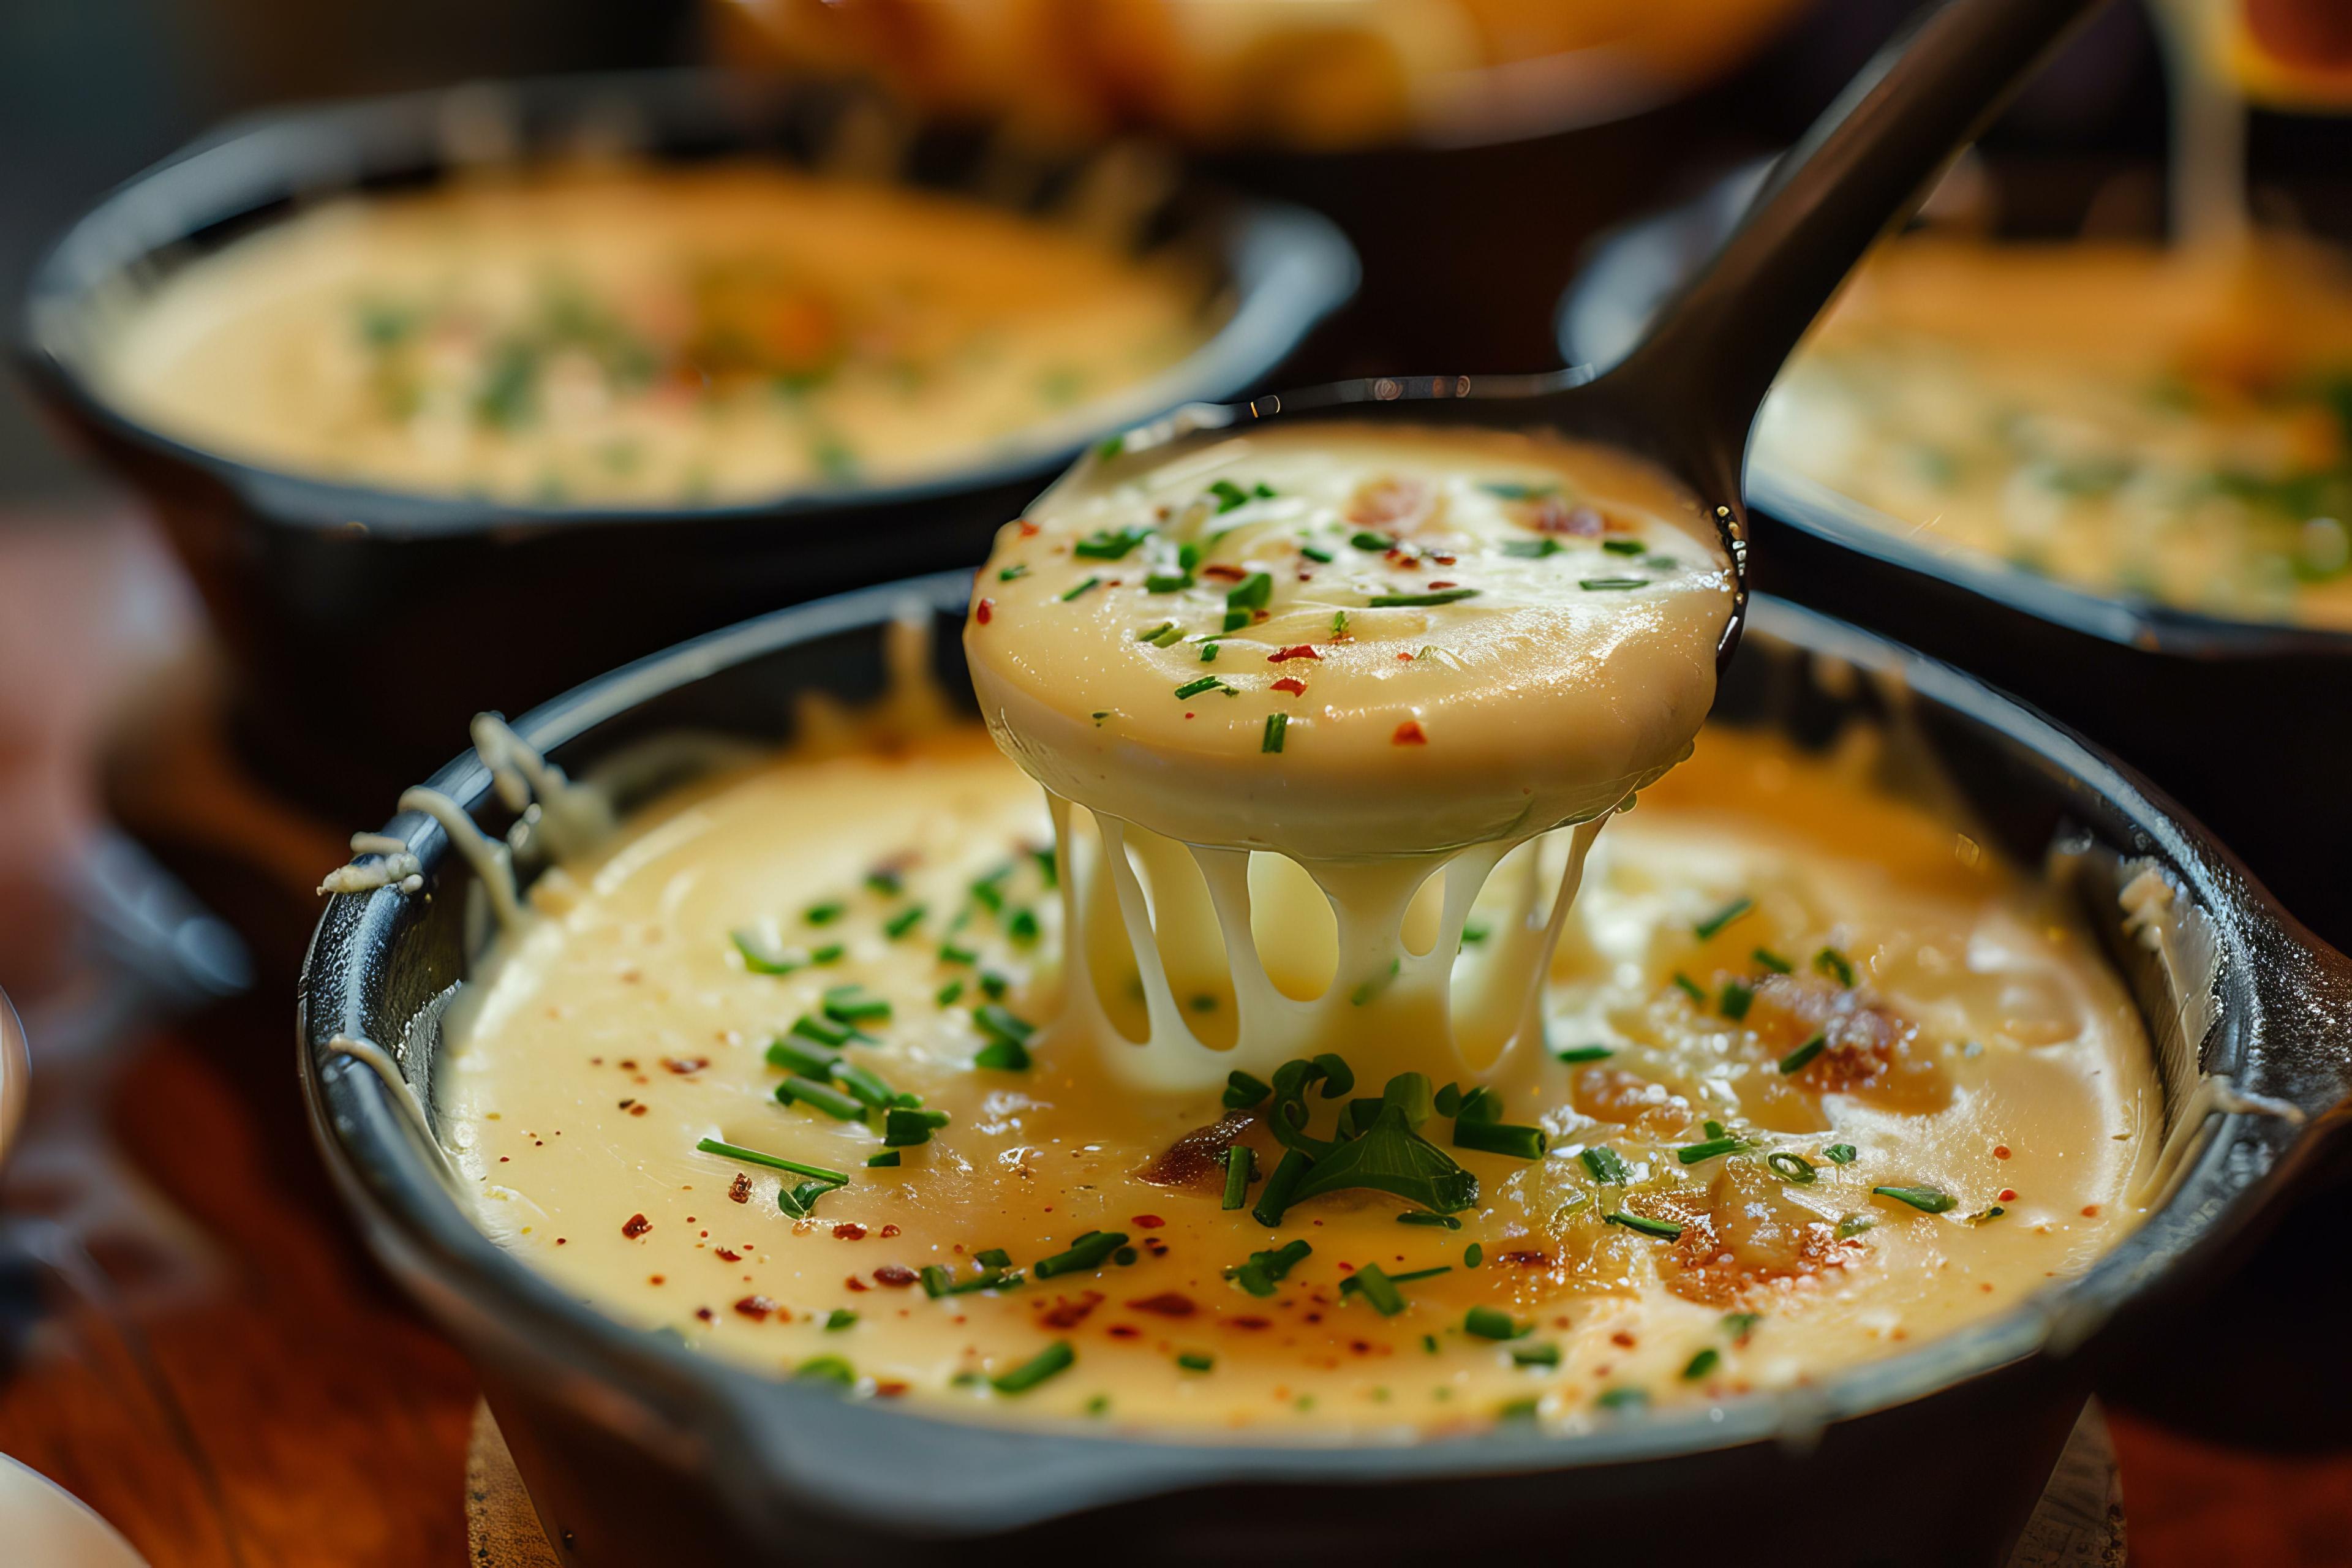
{"x": 2171, "y": 426}
{"x": 1981, "y": 1051}
{"x": 669, "y": 337}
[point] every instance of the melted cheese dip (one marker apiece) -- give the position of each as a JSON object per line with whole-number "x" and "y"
{"x": 2174, "y": 428}
{"x": 1820, "y": 1081}
{"x": 685, "y": 337}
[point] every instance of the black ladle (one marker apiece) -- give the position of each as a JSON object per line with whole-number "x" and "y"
{"x": 1686, "y": 394}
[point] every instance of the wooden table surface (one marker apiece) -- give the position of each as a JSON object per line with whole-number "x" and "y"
{"x": 191, "y": 1339}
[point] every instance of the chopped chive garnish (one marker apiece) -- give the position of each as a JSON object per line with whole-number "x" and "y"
{"x": 1473, "y": 933}
{"x": 1599, "y": 584}
{"x": 884, "y": 1161}
{"x": 800, "y": 1202}
{"x": 1643, "y": 1224}
{"x": 1275, "y": 1198}
{"x": 1257, "y": 1276}
{"x": 829, "y": 954}
{"x": 1623, "y": 1398}
{"x": 1365, "y": 539}
{"x": 1243, "y": 1092}
{"x": 1796, "y": 1061}
{"x": 1350, "y": 1286}
{"x": 1166, "y": 634}
{"x": 1841, "y": 1155}
{"x": 823, "y": 914}
{"x": 1532, "y": 548}
{"x": 1722, "y": 918}
{"x": 993, "y": 985}
{"x": 1238, "y": 1160}
{"x": 1251, "y": 593}
{"x": 1277, "y": 724}
{"x": 1229, "y": 495}
{"x": 1488, "y": 1323}
{"x": 1693, "y": 1153}
{"x": 761, "y": 957}
{"x": 1021, "y": 928}
{"x": 1837, "y": 965}
{"x": 948, "y": 995}
{"x": 1607, "y": 1165}
{"x": 1054, "y": 1359}
{"x": 773, "y": 1161}
{"x": 1109, "y": 544}
{"x": 1500, "y": 1137}
{"x": 838, "y": 1319}
{"x": 1714, "y": 1127}
{"x": 1196, "y": 1361}
{"x": 1700, "y": 1365}
{"x": 1320, "y": 557}
{"x": 1378, "y": 1290}
{"x": 1623, "y": 546}
{"x": 823, "y": 1031}
{"x": 1928, "y": 1200}
{"x": 1089, "y": 1251}
{"x": 1205, "y": 683}
{"x": 1473, "y": 1255}
{"x": 1167, "y": 581}
{"x": 1427, "y": 1216}
{"x": 825, "y": 1369}
{"x": 1793, "y": 1168}
{"x": 986, "y": 891}
{"x": 1071, "y": 594}
{"x": 1773, "y": 961}
{"x": 902, "y": 923}
{"x": 1691, "y": 988}
{"x": 1017, "y": 570}
{"x": 1739, "y": 1325}
{"x": 1535, "y": 1355}
{"x": 1417, "y": 601}
{"x": 903, "y": 1127}
{"x": 851, "y": 1005}
{"x": 1735, "y": 999}
{"x": 1208, "y": 653}
{"x": 1481, "y": 1104}
{"x": 1002, "y": 1025}
{"x": 793, "y": 1059}
{"x": 950, "y": 953}
{"x": 868, "y": 1089}
{"x": 1586, "y": 1054}
{"x": 798, "y": 1090}
{"x": 993, "y": 1257}
{"x": 1853, "y": 1225}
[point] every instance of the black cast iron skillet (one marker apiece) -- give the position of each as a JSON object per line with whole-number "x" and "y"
{"x": 636, "y": 1450}
{"x": 328, "y": 595}
{"x": 2249, "y": 723}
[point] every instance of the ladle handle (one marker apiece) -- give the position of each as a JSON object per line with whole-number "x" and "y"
{"x": 1713, "y": 350}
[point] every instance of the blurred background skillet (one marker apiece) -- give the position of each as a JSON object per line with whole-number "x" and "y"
{"x": 322, "y": 590}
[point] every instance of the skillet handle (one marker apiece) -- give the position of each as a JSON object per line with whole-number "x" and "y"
{"x": 1860, "y": 167}
{"x": 2299, "y": 1050}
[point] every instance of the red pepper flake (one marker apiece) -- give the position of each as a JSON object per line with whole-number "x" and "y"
{"x": 706, "y": 1314}
{"x": 1125, "y": 1332}
{"x": 890, "y": 1390}
{"x": 1623, "y": 1340}
{"x": 684, "y": 1065}
{"x": 897, "y": 1276}
{"x": 639, "y": 1108}
{"x": 1406, "y": 657}
{"x": 1224, "y": 573}
{"x": 1300, "y": 651}
{"x": 1526, "y": 1258}
{"x": 1154, "y": 1246}
{"x": 889, "y": 1230}
{"x": 850, "y": 1230}
{"x": 855, "y": 1283}
{"x": 1166, "y": 1304}
{"x": 1069, "y": 1315}
{"x": 1251, "y": 1323}
{"x": 1028, "y": 529}
{"x": 636, "y": 1225}
{"x": 1147, "y": 1222}
{"x": 740, "y": 1189}
{"x": 656, "y": 1280}
{"x": 1441, "y": 583}
{"x": 1291, "y": 684}
{"x": 2009, "y": 1194}
{"x": 1408, "y": 733}
{"x": 628, "y": 1064}
{"x": 983, "y": 611}
{"x": 2000, "y": 1150}
{"x": 2090, "y": 1211}
{"x": 759, "y": 1309}
{"x": 730, "y": 1254}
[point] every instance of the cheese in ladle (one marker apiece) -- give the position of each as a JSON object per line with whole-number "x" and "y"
{"x": 1345, "y": 663}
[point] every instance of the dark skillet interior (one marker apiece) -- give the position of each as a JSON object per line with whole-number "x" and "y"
{"x": 2242, "y": 721}
{"x": 633, "y": 1447}
{"x": 327, "y": 592}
